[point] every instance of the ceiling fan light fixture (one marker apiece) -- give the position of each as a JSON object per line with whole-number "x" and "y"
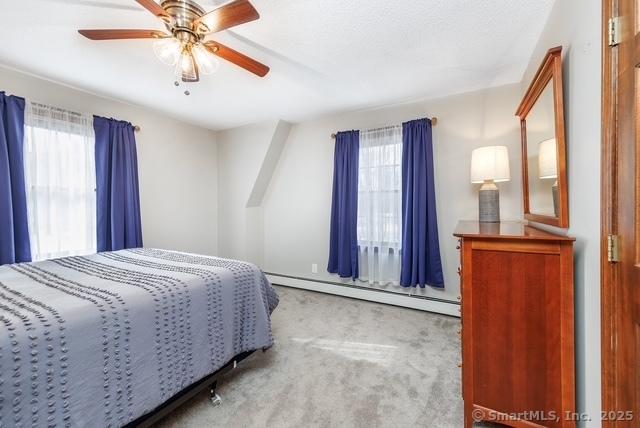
{"x": 187, "y": 68}
{"x": 207, "y": 63}
{"x": 168, "y": 50}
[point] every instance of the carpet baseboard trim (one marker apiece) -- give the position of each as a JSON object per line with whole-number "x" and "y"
{"x": 421, "y": 303}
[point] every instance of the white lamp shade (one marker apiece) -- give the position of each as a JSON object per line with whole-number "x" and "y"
{"x": 490, "y": 163}
{"x": 548, "y": 159}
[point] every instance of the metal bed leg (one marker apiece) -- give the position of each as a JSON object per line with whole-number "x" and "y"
{"x": 215, "y": 398}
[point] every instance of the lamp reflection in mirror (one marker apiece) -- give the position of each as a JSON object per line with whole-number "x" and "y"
{"x": 490, "y": 165}
{"x": 548, "y": 167}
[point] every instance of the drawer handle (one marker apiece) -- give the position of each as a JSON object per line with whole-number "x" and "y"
{"x": 460, "y": 365}
{"x": 458, "y": 247}
{"x": 460, "y": 271}
{"x": 459, "y": 298}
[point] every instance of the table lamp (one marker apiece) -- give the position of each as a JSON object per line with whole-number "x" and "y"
{"x": 548, "y": 167}
{"x": 490, "y": 165}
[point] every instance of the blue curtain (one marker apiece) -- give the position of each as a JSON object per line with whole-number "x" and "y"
{"x": 421, "y": 264}
{"x": 117, "y": 193}
{"x": 14, "y": 224}
{"x": 343, "y": 245}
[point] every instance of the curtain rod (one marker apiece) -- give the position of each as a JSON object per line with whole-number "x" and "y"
{"x": 136, "y": 128}
{"x": 434, "y": 122}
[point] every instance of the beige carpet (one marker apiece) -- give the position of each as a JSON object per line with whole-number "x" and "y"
{"x": 340, "y": 362}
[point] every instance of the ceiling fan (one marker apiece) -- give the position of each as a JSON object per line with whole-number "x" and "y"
{"x": 184, "y": 46}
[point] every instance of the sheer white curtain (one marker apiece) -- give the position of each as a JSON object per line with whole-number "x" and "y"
{"x": 60, "y": 178}
{"x": 379, "y": 205}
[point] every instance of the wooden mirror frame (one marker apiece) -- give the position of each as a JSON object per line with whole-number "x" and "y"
{"x": 550, "y": 69}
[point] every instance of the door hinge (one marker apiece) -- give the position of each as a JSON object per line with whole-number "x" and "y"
{"x": 613, "y": 248}
{"x": 615, "y": 33}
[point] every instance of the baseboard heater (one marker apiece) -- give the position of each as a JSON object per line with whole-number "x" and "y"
{"x": 423, "y": 303}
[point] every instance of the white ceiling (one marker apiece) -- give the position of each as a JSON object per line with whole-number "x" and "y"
{"x": 325, "y": 55}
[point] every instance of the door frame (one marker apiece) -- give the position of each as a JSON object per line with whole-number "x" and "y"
{"x": 609, "y": 172}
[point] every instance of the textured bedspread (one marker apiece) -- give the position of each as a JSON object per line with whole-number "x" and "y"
{"x": 101, "y": 340}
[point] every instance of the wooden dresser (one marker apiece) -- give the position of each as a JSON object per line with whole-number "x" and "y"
{"x": 518, "y": 366}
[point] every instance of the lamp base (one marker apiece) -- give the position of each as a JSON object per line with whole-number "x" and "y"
{"x": 489, "y": 203}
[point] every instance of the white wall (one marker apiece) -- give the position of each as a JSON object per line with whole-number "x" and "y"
{"x": 177, "y": 164}
{"x": 241, "y": 152}
{"x": 576, "y": 25}
{"x": 296, "y": 208}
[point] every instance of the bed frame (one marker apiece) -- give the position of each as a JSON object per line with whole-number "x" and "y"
{"x": 210, "y": 382}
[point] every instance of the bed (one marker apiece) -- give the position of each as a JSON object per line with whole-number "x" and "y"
{"x": 103, "y": 340}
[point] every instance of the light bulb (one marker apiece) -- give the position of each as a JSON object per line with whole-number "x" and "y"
{"x": 186, "y": 68}
{"x": 168, "y": 50}
{"x": 207, "y": 63}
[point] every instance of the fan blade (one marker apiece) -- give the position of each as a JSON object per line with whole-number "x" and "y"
{"x": 154, "y": 8}
{"x": 226, "y": 16}
{"x": 122, "y": 34}
{"x": 237, "y": 58}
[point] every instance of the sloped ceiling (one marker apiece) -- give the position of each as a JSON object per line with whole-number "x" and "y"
{"x": 325, "y": 55}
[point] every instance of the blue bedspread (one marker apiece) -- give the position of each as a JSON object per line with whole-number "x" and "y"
{"x": 101, "y": 340}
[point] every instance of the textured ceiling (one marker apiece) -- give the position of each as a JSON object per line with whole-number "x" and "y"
{"x": 325, "y": 55}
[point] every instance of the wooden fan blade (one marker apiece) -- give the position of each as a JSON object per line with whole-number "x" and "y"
{"x": 122, "y": 34}
{"x": 226, "y": 16}
{"x": 237, "y": 58}
{"x": 154, "y": 8}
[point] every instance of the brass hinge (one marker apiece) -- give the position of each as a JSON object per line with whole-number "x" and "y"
{"x": 613, "y": 248}
{"x": 615, "y": 33}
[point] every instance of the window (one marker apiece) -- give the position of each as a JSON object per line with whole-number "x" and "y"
{"x": 379, "y": 204}
{"x": 60, "y": 180}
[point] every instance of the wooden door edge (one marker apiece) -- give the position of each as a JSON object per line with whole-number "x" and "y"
{"x": 609, "y": 382}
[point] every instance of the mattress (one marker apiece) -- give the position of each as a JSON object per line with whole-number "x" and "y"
{"x": 101, "y": 340}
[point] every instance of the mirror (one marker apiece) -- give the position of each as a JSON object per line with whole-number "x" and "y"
{"x": 543, "y": 146}
{"x": 542, "y": 161}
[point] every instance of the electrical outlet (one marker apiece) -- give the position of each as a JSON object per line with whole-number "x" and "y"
{"x": 314, "y": 268}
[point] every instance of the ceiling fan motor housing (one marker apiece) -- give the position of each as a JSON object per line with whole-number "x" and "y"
{"x": 183, "y": 14}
